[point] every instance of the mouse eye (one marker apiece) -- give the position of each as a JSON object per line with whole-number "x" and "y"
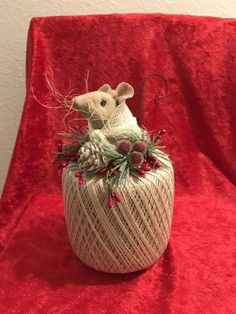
{"x": 103, "y": 103}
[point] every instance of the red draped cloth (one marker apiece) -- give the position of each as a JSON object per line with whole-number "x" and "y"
{"x": 39, "y": 272}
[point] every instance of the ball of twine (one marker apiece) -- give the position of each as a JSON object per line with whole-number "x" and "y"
{"x": 129, "y": 237}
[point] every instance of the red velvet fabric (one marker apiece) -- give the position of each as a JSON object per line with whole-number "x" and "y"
{"x": 39, "y": 272}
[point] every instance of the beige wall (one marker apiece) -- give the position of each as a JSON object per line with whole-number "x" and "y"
{"x": 14, "y": 21}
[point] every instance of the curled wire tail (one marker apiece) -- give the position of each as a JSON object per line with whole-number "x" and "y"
{"x": 159, "y": 97}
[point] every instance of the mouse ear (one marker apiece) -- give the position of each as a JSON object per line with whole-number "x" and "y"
{"x": 106, "y": 88}
{"x": 124, "y": 91}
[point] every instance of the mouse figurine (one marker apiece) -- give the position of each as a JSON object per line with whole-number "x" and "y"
{"x": 118, "y": 185}
{"x": 107, "y": 111}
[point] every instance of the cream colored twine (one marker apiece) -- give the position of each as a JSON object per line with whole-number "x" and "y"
{"x": 130, "y": 236}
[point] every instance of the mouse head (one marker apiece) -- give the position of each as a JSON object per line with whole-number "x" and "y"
{"x": 98, "y": 106}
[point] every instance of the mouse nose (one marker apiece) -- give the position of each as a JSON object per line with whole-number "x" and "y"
{"x": 81, "y": 103}
{"x": 75, "y": 103}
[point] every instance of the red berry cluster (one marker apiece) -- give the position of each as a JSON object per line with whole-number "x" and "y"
{"x": 63, "y": 157}
{"x": 140, "y": 159}
{"x": 112, "y": 172}
{"x": 148, "y": 163}
{"x": 80, "y": 177}
{"x": 125, "y": 147}
{"x": 111, "y": 197}
{"x": 134, "y": 152}
{"x": 159, "y": 135}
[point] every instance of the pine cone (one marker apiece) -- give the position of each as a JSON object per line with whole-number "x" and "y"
{"x": 91, "y": 158}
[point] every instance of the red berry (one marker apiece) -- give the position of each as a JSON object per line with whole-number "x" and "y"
{"x": 139, "y": 146}
{"x": 65, "y": 164}
{"x": 141, "y": 172}
{"x": 59, "y": 147}
{"x": 152, "y": 158}
{"x": 124, "y": 147}
{"x": 103, "y": 170}
{"x": 144, "y": 161}
{"x": 136, "y": 158}
{"x": 146, "y": 168}
{"x": 110, "y": 201}
{"x": 78, "y": 174}
{"x": 114, "y": 173}
{"x": 117, "y": 196}
{"x": 162, "y": 132}
{"x": 157, "y": 164}
{"x": 81, "y": 180}
{"x": 59, "y": 166}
